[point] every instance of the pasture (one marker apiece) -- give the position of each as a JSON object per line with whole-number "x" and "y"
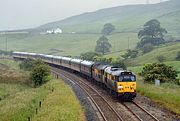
{"x": 67, "y": 44}
{"x": 19, "y": 100}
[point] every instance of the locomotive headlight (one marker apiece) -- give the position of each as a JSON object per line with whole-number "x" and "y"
{"x": 120, "y": 87}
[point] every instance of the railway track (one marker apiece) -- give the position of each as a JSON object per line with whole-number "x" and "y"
{"x": 139, "y": 112}
{"x": 107, "y": 112}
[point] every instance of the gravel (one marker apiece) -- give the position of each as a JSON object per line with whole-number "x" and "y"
{"x": 161, "y": 113}
{"x": 90, "y": 112}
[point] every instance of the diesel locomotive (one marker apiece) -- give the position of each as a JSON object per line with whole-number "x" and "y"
{"x": 121, "y": 82}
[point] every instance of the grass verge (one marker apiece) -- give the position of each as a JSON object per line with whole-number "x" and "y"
{"x": 166, "y": 95}
{"x": 60, "y": 105}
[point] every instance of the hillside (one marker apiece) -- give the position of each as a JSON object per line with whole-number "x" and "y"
{"x": 169, "y": 51}
{"x": 65, "y": 44}
{"x": 126, "y": 18}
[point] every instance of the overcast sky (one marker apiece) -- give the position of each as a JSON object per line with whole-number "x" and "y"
{"x": 19, "y": 14}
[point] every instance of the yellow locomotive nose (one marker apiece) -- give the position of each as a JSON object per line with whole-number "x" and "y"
{"x": 126, "y": 87}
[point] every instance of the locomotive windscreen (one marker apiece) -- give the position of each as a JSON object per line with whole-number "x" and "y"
{"x": 127, "y": 77}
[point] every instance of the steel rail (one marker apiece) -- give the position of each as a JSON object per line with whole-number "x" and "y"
{"x": 145, "y": 111}
{"x": 100, "y": 111}
{"x": 142, "y": 109}
{"x": 82, "y": 82}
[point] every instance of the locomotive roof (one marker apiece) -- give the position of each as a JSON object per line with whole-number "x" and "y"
{"x": 114, "y": 70}
{"x": 87, "y": 63}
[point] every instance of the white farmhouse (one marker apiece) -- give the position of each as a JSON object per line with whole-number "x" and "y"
{"x": 57, "y": 31}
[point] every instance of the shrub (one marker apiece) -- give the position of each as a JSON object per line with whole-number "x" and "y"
{"x": 159, "y": 71}
{"x": 40, "y": 73}
{"x": 161, "y": 58}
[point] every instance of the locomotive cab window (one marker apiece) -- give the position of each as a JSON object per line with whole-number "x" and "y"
{"x": 127, "y": 78}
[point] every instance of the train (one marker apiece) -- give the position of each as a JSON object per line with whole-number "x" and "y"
{"x": 121, "y": 83}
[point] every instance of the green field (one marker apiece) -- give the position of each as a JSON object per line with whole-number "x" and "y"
{"x": 68, "y": 44}
{"x": 18, "y": 100}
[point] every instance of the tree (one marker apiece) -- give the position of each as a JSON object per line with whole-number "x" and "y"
{"x": 178, "y": 56}
{"x": 108, "y": 29}
{"x": 102, "y": 45}
{"x": 159, "y": 71}
{"x": 152, "y": 33}
{"x": 40, "y": 73}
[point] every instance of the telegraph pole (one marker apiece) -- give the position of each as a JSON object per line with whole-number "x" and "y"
{"x": 128, "y": 43}
{"x": 6, "y": 44}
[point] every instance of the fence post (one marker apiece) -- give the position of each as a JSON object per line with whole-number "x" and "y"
{"x": 29, "y": 119}
{"x": 57, "y": 76}
{"x": 40, "y": 104}
{"x": 36, "y": 110}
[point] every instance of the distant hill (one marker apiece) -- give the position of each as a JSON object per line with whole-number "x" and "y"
{"x": 127, "y": 18}
{"x": 169, "y": 51}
